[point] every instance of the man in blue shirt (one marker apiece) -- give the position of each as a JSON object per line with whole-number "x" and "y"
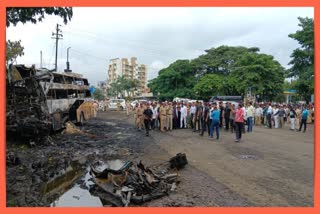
{"x": 305, "y": 114}
{"x": 215, "y": 115}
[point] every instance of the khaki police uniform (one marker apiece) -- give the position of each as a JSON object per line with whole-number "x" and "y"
{"x": 169, "y": 117}
{"x": 163, "y": 117}
{"x": 139, "y": 117}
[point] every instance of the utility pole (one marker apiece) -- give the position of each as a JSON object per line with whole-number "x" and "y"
{"x": 40, "y": 59}
{"x": 58, "y": 36}
{"x": 68, "y": 64}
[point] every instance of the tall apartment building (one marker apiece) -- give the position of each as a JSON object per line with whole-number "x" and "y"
{"x": 130, "y": 69}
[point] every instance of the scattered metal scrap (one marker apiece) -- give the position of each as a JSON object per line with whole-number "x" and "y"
{"x": 133, "y": 183}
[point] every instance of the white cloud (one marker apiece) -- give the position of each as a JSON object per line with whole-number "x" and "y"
{"x": 157, "y": 36}
{"x": 154, "y": 68}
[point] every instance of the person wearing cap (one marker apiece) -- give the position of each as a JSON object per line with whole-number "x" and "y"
{"x": 139, "y": 113}
{"x": 298, "y": 118}
{"x": 163, "y": 116}
{"x": 147, "y": 113}
{"x": 169, "y": 116}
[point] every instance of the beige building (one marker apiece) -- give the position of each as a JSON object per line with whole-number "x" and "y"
{"x": 130, "y": 69}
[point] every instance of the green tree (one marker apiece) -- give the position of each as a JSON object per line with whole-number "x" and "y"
{"x": 123, "y": 86}
{"x": 303, "y": 58}
{"x": 220, "y": 60}
{"x": 177, "y": 80}
{"x": 13, "y": 51}
{"x": 259, "y": 73}
{"x": 35, "y": 14}
{"x": 98, "y": 94}
{"x": 235, "y": 70}
{"x": 209, "y": 85}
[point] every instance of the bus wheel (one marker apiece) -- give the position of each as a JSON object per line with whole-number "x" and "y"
{"x": 121, "y": 108}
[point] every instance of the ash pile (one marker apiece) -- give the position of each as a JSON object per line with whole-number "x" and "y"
{"x": 135, "y": 183}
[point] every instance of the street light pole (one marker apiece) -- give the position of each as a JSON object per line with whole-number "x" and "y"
{"x": 68, "y": 64}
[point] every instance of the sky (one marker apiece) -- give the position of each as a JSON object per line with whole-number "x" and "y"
{"x": 156, "y": 36}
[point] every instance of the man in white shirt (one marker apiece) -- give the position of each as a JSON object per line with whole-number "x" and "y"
{"x": 269, "y": 114}
{"x": 192, "y": 114}
{"x": 276, "y": 116}
{"x": 250, "y": 112}
{"x": 183, "y": 116}
{"x": 154, "y": 116}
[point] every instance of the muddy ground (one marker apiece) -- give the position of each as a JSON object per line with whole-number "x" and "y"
{"x": 269, "y": 168}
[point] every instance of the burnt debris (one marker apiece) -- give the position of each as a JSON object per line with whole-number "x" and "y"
{"x": 134, "y": 183}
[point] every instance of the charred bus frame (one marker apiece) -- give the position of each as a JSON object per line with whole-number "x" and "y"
{"x": 39, "y": 101}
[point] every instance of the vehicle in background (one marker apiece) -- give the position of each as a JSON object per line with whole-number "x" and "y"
{"x": 178, "y": 99}
{"x": 113, "y": 104}
{"x": 134, "y": 103}
{"x": 194, "y": 101}
{"x": 217, "y": 99}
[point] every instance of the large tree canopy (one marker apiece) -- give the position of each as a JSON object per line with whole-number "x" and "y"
{"x": 36, "y": 14}
{"x": 221, "y": 71}
{"x": 258, "y": 73}
{"x": 220, "y": 60}
{"x": 303, "y": 58}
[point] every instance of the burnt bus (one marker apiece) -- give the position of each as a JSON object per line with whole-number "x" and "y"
{"x": 40, "y": 101}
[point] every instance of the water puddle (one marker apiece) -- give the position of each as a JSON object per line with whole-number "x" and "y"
{"x": 254, "y": 157}
{"x": 110, "y": 123}
{"x": 78, "y": 194}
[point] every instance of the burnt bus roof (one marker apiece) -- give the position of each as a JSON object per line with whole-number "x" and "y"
{"x": 70, "y": 74}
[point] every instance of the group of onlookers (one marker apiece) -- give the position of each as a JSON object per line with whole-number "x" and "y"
{"x": 204, "y": 117}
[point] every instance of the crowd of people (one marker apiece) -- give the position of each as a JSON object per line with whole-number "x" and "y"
{"x": 210, "y": 118}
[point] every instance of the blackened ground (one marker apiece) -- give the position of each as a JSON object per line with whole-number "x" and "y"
{"x": 31, "y": 170}
{"x": 215, "y": 176}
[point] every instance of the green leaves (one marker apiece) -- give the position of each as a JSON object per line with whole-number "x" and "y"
{"x": 303, "y": 58}
{"x": 13, "y": 51}
{"x": 98, "y": 94}
{"x": 176, "y": 80}
{"x": 36, "y": 14}
{"x": 221, "y": 71}
{"x": 123, "y": 86}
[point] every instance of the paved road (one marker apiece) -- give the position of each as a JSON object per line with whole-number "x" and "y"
{"x": 270, "y": 167}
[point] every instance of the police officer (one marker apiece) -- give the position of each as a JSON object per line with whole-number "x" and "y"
{"x": 147, "y": 113}
{"x": 163, "y": 116}
{"x": 169, "y": 116}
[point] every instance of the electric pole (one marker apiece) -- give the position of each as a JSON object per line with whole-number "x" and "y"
{"x": 58, "y": 36}
{"x": 40, "y": 59}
